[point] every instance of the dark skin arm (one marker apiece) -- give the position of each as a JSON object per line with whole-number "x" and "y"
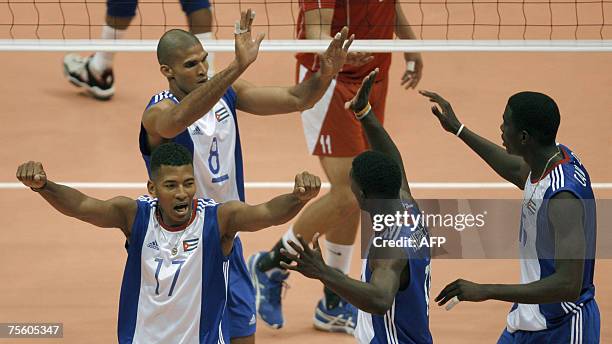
{"x": 377, "y": 136}
{"x": 236, "y": 216}
{"x": 565, "y": 214}
{"x": 510, "y": 167}
{"x": 117, "y": 212}
{"x": 375, "y": 296}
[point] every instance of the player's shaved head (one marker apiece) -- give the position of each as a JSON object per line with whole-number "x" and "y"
{"x": 172, "y": 43}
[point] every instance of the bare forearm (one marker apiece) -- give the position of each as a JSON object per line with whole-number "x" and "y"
{"x": 117, "y": 212}
{"x": 275, "y": 212}
{"x": 318, "y": 23}
{"x": 203, "y": 98}
{"x": 308, "y": 92}
{"x": 282, "y": 208}
{"x": 548, "y": 290}
{"x": 65, "y": 199}
{"x": 379, "y": 139}
{"x": 364, "y": 296}
{"x": 403, "y": 30}
{"x": 506, "y": 165}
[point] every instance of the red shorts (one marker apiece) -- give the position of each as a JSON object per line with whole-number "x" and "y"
{"x": 330, "y": 130}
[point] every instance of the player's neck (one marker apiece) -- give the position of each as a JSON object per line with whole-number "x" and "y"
{"x": 176, "y": 91}
{"x": 542, "y": 159}
{"x": 168, "y": 223}
{"x": 383, "y": 206}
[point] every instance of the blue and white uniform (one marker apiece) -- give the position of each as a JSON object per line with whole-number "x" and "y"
{"x": 407, "y": 322}
{"x": 564, "y": 322}
{"x": 175, "y": 283}
{"x": 214, "y": 141}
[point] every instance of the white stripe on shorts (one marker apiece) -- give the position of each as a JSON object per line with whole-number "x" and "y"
{"x": 313, "y": 118}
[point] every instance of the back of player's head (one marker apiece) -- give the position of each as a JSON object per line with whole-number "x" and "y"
{"x": 537, "y": 114}
{"x": 377, "y": 174}
{"x": 173, "y": 42}
{"x": 169, "y": 154}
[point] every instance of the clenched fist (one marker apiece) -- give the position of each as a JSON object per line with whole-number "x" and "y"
{"x": 32, "y": 175}
{"x": 306, "y": 186}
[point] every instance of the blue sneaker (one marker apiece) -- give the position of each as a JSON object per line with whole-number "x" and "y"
{"x": 341, "y": 318}
{"x": 268, "y": 291}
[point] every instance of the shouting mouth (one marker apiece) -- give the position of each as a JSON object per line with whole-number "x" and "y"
{"x": 182, "y": 209}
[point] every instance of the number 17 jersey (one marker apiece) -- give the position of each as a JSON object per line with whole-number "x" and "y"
{"x": 214, "y": 142}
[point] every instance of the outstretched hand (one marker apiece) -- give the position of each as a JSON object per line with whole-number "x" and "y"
{"x": 445, "y": 113}
{"x": 246, "y": 49}
{"x": 414, "y": 70}
{"x": 360, "y": 100}
{"x": 32, "y": 174}
{"x": 309, "y": 261}
{"x": 463, "y": 290}
{"x": 335, "y": 56}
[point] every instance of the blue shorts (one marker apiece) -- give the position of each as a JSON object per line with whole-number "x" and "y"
{"x": 241, "y": 296}
{"x": 127, "y": 8}
{"x": 572, "y": 330}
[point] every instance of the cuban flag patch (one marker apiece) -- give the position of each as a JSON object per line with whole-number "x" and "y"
{"x": 190, "y": 244}
{"x": 221, "y": 113}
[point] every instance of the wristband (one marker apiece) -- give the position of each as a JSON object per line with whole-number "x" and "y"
{"x": 363, "y": 112}
{"x": 460, "y": 130}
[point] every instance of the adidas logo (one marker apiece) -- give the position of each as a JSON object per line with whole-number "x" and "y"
{"x": 153, "y": 245}
{"x": 197, "y": 131}
{"x": 253, "y": 320}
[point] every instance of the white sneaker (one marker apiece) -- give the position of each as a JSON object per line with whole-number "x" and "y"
{"x": 76, "y": 69}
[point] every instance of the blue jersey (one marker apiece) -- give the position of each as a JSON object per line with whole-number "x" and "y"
{"x": 537, "y": 242}
{"x": 175, "y": 282}
{"x": 407, "y": 321}
{"x": 214, "y": 142}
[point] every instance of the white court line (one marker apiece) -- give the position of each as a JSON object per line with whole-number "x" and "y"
{"x": 288, "y": 185}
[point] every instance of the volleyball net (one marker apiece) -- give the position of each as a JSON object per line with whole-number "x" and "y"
{"x": 440, "y": 25}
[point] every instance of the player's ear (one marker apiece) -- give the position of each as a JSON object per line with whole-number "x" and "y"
{"x": 361, "y": 195}
{"x": 151, "y": 188}
{"x": 524, "y": 137}
{"x": 166, "y": 71}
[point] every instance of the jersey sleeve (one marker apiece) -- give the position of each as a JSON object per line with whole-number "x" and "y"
{"x": 308, "y": 5}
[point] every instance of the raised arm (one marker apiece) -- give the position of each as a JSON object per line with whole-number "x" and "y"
{"x": 278, "y": 100}
{"x": 318, "y": 19}
{"x": 414, "y": 61}
{"x": 510, "y": 167}
{"x": 240, "y": 217}
{"x": 118, "y": 212}
{"x": 565, "y": 214}
{"x": 167, "y": 120}
{"x": 377, "y": 136}
{"x": 375, "y": 296}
